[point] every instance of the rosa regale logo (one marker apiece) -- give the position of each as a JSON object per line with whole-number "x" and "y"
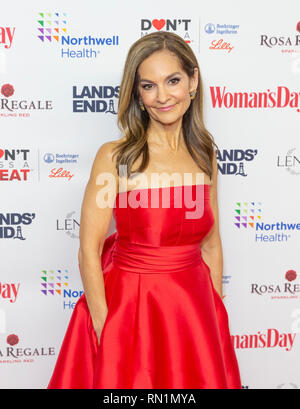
{"x": 279, "y": 290}
{"x": 7, "y": 90}
{"x": 22, "y": 107}
{"x": 12, "y": 339}
{"x": 291, "y": 275}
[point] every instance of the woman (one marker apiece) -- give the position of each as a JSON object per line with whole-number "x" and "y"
{"x": 152, "y": 314}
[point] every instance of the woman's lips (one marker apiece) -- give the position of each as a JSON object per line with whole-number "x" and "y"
{"x": 166, "y": 108}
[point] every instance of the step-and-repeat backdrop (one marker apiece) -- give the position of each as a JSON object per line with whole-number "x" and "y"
{"x": 60, "y": 70}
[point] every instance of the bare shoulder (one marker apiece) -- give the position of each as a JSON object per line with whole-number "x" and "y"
{"x": 105, "y": 160}
{"x": 107, "y": 149}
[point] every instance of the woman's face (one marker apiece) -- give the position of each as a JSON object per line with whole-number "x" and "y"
{"x": 164, "y": 87}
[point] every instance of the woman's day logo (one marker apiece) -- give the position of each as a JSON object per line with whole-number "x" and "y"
{"x": 6, "y": 36}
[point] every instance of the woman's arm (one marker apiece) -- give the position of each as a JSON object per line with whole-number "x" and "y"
{"x": 211, "y": 245}
{"x": 94, "y": 224}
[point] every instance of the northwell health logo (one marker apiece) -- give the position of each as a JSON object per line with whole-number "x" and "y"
{"x": 57, "y": 283}
{"x": 52, "y": 28}
{"x": 248, "y": 215}
{"x": 54, "y": 282}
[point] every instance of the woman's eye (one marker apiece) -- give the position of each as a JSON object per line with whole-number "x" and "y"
{"x": 174, "y": 81}
{"x": 146, "y": 86}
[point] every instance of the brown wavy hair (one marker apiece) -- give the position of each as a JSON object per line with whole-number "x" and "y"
{"x": 133, "y": 122}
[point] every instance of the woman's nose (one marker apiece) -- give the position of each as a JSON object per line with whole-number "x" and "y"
{"x": 162, "y": 95}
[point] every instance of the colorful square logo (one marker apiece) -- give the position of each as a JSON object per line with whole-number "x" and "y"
{"x": 54, "y": 281}
{"x": 51, "y": 26}
{"x": 247, "y": 214}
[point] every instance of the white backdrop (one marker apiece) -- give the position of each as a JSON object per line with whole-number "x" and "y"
{"x": 47, "y": 77}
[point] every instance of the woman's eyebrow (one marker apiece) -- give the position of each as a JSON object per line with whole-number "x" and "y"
{"x": 171, "y": 75}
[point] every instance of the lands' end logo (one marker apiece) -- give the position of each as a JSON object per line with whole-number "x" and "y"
{"x": 95, "y": 99}
{"x": 231, "y": 162}
{"x": 11, "y": 224}
{"x": 52, "y": 28}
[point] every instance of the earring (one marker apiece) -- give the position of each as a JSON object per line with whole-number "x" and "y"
{"x": 141, "y": 105}
{"x": 192, "y": 94}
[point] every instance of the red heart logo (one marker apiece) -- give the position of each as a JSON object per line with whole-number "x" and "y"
{"x": 1, "y": 153}
{"x": 158, "y": 24}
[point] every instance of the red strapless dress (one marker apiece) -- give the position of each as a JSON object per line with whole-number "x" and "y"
{"x": 167, "y": 326}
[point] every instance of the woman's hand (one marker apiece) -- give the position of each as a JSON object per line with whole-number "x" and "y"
{"x": 98, "y": 324}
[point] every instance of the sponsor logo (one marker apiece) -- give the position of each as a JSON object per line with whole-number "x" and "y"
{"x": 220, "y": 44}
{"x": 287, "y": 290}
{"x": 16, "y": 353}
{"x": 101, "y": 99}
{"x": 20, "y": 107}
{"x": 53, "y": 282}
{"x": 271, "y": 338}
{"x": 248, "y": 215}
{"x": 56, "y": 283}
{"x": 11, "y": 224}
{"x": 181, "y": 27}
{"x": 70, "y": 297}
{"x": 290, "y": 162}
{"x": 233, "y": 161}
{"x": 61, "y": 158}
{"x": 6, "y": 37}
{"x": 69, "y": 225}
{"x": 61, "y": 173}
{"x": 287, "y": 43}
{"x": 282, "y": 97}
{"x": 14, "y": 165}
{"x": 222, "y": 29}
{"x": 288, "y": 385}
{"x": 53, "y": 29}
{"x": 226, "y": 279}
{"x": 9, "y": 291}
